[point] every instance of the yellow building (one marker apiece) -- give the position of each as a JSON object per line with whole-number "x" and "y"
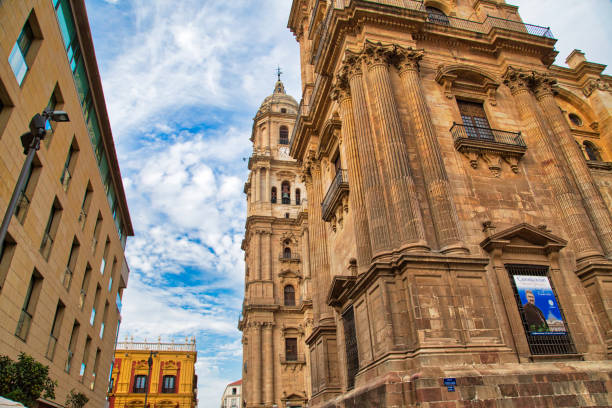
{"x": 62, "y": 268}
{"x": 170, "y": 368}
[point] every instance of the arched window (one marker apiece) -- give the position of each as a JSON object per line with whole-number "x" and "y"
{"x": 287, "y": 253}
{"x": 436, "y": 16}
{"x": 592, "y": 151}
{"x": 283, "y": 134}
{"x": 575, "y": 119}
{"x": 286, "y": 192}
{"x": 289, "y": 295}
{"x": 297, "y": 196}
{"x": 273, "y": 195}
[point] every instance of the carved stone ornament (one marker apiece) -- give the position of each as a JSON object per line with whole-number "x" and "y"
{"x": 596, "y": 84}
{"x": 375, "y": 53}
{"x": 542, "y": 84}
{"x": 466, "y": 79}
{"x": 406, "y": 58}
{"x": 352, "y": 62}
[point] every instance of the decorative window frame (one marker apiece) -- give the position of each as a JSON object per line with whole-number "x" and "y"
{"x": 527, "y": 244}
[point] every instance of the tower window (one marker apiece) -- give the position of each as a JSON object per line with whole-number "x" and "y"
{"x": 436, "y": 16}
{"x": 297, "y": 196}
{"x": 287, "y": 253}
{"x": 289, "y": 293}
{"x": 283, "y": 110}
{"x": 575, "y": 119}
{"x": 283, "y": 134}
{"x": 592, "y": 151}
{"x": 286, "y": 192}
{"x": 273, "y": 195}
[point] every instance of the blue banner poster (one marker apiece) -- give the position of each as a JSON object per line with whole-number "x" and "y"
{"x": 540, "y": 308}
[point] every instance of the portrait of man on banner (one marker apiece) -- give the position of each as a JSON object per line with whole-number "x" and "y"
{"x": 539, "y": 305}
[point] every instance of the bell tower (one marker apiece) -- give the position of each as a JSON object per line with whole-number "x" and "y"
{"x": 276, "y": 314}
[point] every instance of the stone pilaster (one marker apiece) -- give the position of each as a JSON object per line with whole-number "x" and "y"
{"x": 268, "y": 188}
{"x": 256, "y": 375}
{"x": 257, "y": 255}
{"x": 255, "y": 185}
{"x": 341, "y": 94}
{"x": 443, "y": 212}
{"x": 378, "y": 220}
{"x": 594, "y": 204}
{"x": 403, "y": 207}
{"x": 570, "y": 207}
{"x": 267, "y": 249}
{"x": 268, "y": 366}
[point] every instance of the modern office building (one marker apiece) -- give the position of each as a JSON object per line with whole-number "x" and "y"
{"x": 163, "y": 374}
{"x": 232, "y": 396}
{"x": 459, "y": 229}
{"x": 62, "y": 268}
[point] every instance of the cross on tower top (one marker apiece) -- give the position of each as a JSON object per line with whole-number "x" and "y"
{"x": 278, "y": 72}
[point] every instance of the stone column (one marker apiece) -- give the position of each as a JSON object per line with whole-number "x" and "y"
{"x": 254, "y": 189}
{"x": 306, "y": 264}
{"x": 356, "y": 200}
{"x": 594, "y": 204}
{"x": 570, "y": 207}
{"x": 256, "y": 362}
{"x": 268, "y": 366}
{"x": 404, "y": 207}
{"x": 439, "y": 196}
{"x": 318, "y": 244}
{"x": 378, "y": 220}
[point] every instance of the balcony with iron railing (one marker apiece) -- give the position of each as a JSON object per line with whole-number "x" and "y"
{"x": 476, "y": 142}
{"x": 292, "y": 359}
{"x": 289, "y": 257}
{"x": 337, "y": 190}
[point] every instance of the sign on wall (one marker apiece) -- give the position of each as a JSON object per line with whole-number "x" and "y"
{"x": 540, "y": 307}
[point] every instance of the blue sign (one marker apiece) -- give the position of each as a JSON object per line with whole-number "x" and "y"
{"x": 450, "y": 381}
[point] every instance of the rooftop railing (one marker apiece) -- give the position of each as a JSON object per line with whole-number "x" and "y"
{"x": 144, "y": 346}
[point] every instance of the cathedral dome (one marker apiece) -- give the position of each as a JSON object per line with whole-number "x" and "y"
{"x": 279, "y": 101}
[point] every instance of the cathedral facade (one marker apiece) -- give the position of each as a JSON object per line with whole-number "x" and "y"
{"x": 456, "y": 244}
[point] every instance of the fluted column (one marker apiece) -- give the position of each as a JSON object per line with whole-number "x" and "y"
{"x": 570, "y": 207}
{"x": 443, "y": 212}
{"x": 378, "y": 221}
{"x": 306, "y": 264}
{"x": 318, "y": 244}
{"x": 594, "y": 203}
{"x": 356, "y": 200}
{"x": 256, "y": 362}
{"x": 404, "y": 207}
{"x": 268, "y": 187}
{"x": 268, "y": 366}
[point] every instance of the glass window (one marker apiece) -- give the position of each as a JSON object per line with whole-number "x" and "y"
{"x": 592, "y": 151}
{"x": 20, "y": 50}
{"x": 291, "y": 349}
{"x": 475, "y": 120}
{"x": 436, "y": 16}
{"x": 168, "y": 384}
{"x": 283, "y": 135}
{"x": 140, "y": 383}
{"x": 575, "y": 119}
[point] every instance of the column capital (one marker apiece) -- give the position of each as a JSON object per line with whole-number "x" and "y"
{"x": 543, "y": 85}
{"x": 518, "y": 80}
{"x": 376, "y": 53}
{"x": 341, "y": 90}
{"x": 406, "y": 58}
{"x": 352, "y": 63}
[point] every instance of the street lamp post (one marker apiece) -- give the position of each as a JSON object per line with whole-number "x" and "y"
{"x": 150, "y": 362}
{"x": 31, "y": 143}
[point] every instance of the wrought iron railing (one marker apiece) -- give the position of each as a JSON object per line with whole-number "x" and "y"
{"x": 292, "y": 358}
{"x": 490, "y": 23}
{"x": 289, "y": 257}
{"x": 22, "y": 206}
{"x": 340, "y": 182}
{"x": 463, "y": 132}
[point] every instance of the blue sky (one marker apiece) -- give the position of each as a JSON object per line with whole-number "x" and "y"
{"x": 183, "y": 80}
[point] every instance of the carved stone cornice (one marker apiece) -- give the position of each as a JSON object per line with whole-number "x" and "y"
{"x": 596, "y": 84}
{"x": 406, "y": 58}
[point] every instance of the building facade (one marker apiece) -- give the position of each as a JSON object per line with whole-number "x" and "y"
{"x": 460, "y": 186}
{"x": 62, "y": 268}
{"x": 168, "y": 382}
{"x": 277, "y": 314}
{"x": 232, "y": 396}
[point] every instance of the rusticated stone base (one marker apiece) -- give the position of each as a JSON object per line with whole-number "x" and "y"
{"x": 547, "y": 385}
